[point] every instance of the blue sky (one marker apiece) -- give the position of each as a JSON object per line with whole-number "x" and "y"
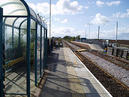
{"x": 82, "y": 17}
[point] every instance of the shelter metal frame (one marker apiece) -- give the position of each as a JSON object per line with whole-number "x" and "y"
{"x": 27, "y": 19}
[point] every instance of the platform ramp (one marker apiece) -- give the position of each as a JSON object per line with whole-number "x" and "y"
{"x": 67, "y": 76}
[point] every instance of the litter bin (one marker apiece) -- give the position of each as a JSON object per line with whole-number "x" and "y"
{"x": 109, "y": 50}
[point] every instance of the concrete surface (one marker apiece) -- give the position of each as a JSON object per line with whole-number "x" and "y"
{"x": 68, "y": 77}
{"x": 92, "y": 46}
{"x": 15, "y": 81}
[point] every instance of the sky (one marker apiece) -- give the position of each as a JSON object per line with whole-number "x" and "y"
{"x": 82, "y": 17}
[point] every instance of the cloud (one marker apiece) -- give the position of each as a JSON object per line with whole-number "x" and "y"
{"x": 42, "y": 8}
{"x": 60, "y": 8}
{"x": 123, "y": 33}
{"x": 64, "y": 21}
{"x": 100, "y": 19}
{"x": 124, "y": 36}
{"x": 63, "y": 31}
{"x": 122, "y": 15}
{"x": 85, "y": 25}
{"x": 113, "y": 3}
{"x": 69, "y": 31}
{"x": 56, "y": 19}
{"x": 86, "y": 7}
{"x": 101, "y": 3}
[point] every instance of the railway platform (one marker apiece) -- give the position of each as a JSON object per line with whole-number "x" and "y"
{"x": 67, "y": 76}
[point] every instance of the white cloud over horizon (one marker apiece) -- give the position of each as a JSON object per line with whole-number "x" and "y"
{"x": 122, "y": 15}
{"x": 64, "y": 21}
{"x": 60, "y": 8}
{"x": 99, "y": 19}
{"x": 101, "y": 3}
{"x": 73, "y": 17}
{"x": 113, "y": 3}
{"x": 63, "y": 31}
{"x": 104, "y": 33}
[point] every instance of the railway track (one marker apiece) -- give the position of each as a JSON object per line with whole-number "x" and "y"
{"x": 113, "y": 85}
{"x": 118, "y": 61}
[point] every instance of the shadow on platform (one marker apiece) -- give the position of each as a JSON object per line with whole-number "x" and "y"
{"x": 58, "y": 82}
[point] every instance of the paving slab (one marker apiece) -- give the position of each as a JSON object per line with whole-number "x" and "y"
{"x": 68, "y": 77}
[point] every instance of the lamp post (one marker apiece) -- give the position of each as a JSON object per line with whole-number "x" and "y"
{"x": 98, "y": 31}
{"x": 85, "y": 33}
{"x": 116, "y": 30}
{"x": 50, "y": 27}
{"x": 89, "y": 29}
{"x": 50, "y": 20}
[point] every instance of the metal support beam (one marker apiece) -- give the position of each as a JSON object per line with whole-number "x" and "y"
{"x": 40, "y": 51}
{"x": 22, "y": 23}
{"x": 9, "y": 16}
{"x": 19, "y": 40}
{"x": 36, "y": 54}
{"x": 1, "y": 54}
{"x": 28, "y": 54}
{"x": 45, "y": 48}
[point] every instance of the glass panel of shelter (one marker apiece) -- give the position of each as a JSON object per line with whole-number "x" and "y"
{"x": 43, "y": 49}
{"x": 13, "y": 7}
{"x": 15, "y": 59}
{"x": 38, "y": 51}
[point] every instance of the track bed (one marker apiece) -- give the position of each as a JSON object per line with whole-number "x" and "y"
{"x": 112, "y": 84}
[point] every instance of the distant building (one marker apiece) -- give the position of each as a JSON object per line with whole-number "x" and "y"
{"x": 82, "y": 39}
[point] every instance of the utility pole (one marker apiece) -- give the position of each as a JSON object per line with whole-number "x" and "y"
{"x": 89, "y": 30}
{"x": 50, "y": 25}
{"x": 85, "y": 33}
{"x": 98, "y": 31}
{"x": 116, "y": 30}
{"x": 50, "y": 20}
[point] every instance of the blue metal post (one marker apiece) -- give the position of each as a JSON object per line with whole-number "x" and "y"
{"x": 44, "y": 47}
{"x": 46, "y": 44}
{"x": 19, "y": 41}
{"x": 36, "y": 55}
{"x": 40, "y": 51}
{"x": 1, "y": 54}
{"x": 43, "y": 38}
{"x": 28, "y": 54}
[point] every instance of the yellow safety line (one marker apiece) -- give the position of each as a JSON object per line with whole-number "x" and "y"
{"x": 11, "y": 63}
